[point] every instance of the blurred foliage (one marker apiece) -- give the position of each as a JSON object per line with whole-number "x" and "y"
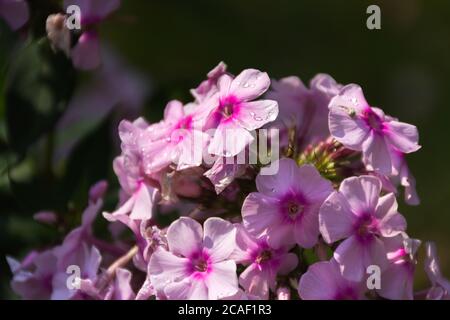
{"x": 403, "y": 68}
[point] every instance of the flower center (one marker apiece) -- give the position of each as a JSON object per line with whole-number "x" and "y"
{"x": 264, "y": 256}
{"x": 228, "y": 107}
{"x": 201, "y": 265}
{"x": 366, "y": 227}
{"x": 227, "y": 110}
{"x": 373, "y": 120}
{"x": 294, "y": 209}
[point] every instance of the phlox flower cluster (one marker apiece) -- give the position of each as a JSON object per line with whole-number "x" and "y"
{"x": 310, "y": 230}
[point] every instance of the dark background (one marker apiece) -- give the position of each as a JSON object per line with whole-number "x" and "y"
{"x": 404, "y": 68}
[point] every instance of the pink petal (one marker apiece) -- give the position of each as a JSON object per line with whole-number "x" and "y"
{"x": 191, "y": 150}
{"x": 184, "y": 236}
{"x": 253, "y": 282}
{"x": 279, "y": 184}
{"x": 391, "y": 222}
{"x": 313, "y": 186}
{"x": 403, "y": 136}
{"x": 348, "y": 130}
{"x": 361, "y": 193}
{"x": 86, "y": 53}
{"x": 220, "y": 238}
{"x": 187, "y": 289}
{"x": 255, "y": 114}
{"x": 325, "y": 84}
{"x": 376, "y": 154}
{"x": 173, "y": 111}
{"x": 229, "y": 140}
{"x": 165, "y": 268}
{"x": 306, "y": 230}
{"x": 350, "y": 96}
{"x": 319, "y": 282}
{"x": 143, "y": 205}
{"x": 224, "y": 84}
{"x": 375, "y": 253}
{"x": 222, "y": 282}
{"x": 258, "y": 213}
{"x": 335, "y": 218}
{"x": 250, "y": 84}
{"x": 397, "y": 283}
{"x": 280, "y": 235}
{"x": 92, "y": 262}
{"x": 350, "y": 256}
{"x": 122, "y": 285}
{"x": 245, "y": 244}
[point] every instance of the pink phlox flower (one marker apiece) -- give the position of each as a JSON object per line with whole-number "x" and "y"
{"x": 263, "y": 263}
{"x": 177, "y": 139}
{"x": 359, "y": 126}
{"x": 285, "y": 208}
{"x": 197, "y": 264}
{"x": 324, "y": 281}
{"x": 357, "y": 214}
{"x": 233, "y": 114}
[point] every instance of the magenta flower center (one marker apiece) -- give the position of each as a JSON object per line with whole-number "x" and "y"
{"x": 228, "y": 107}
{"x": 366, "y": 227}
{"x": 264, "y": 256}
{"x": 373, "y": 120}
{"x": 293, "y": 206}
{"x": 199, "y": 264}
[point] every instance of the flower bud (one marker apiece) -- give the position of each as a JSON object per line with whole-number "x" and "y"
{"x": 57, "y": 33}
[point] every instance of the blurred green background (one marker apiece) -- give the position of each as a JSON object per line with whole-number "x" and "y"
{"x": 403, "y": 68}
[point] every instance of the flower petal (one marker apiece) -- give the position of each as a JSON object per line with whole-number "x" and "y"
{"x": 350, "y": 256}
{"x": 222, "y": 282}
{"x": 258, "y": 213}
{"x": 361, "y": 193}
{"x": 280, "y": 183}
{"x": 255, "y": 114}
{"x": 229, "y": 140}
{"x": 391, "y": 222}
{"x": 349, "y": 130}
{"x": 165, "y": 268}
{"x": 184, "y": 236}
{"x": 403, "y": 136}
{"x": 306, "y": 230}
{"x": 220, "y": 238}
{"x": 335, "y": 218}
{"x": 312, "y": 185}
{"x": 319, "y": 282}
{"x": 376, "y": 154}
{"x": 86, "y": 53}
{"x": 250, "y": 84}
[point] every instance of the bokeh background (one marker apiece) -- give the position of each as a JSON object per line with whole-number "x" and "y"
{"x": 403, "y": 68}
